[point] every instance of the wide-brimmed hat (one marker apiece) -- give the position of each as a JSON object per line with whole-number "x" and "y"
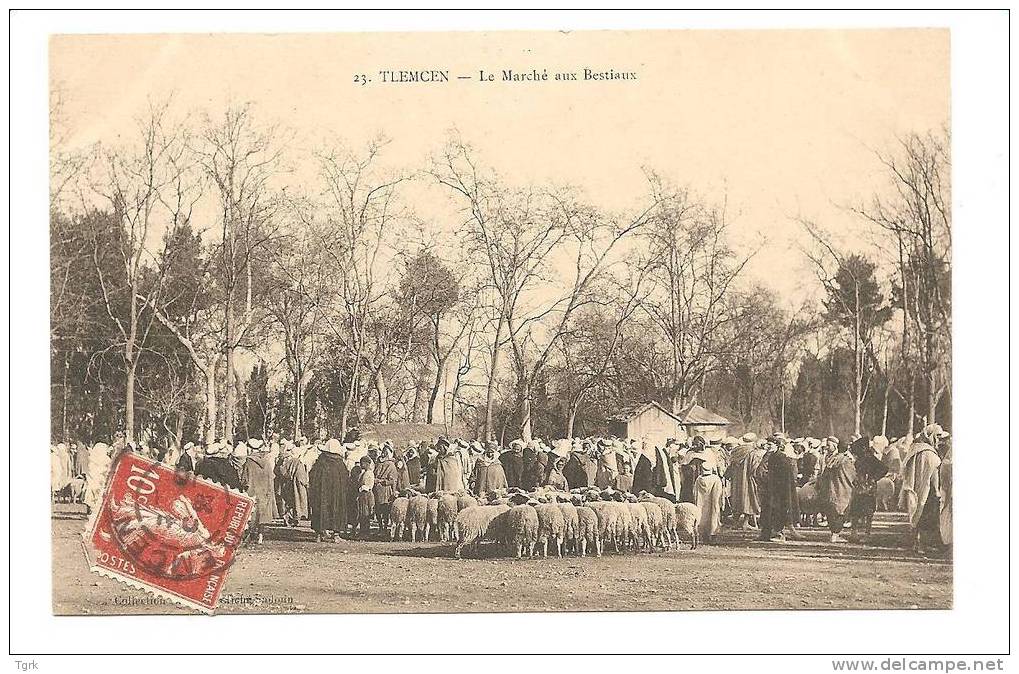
{"x": 749, "y": 437}
{"x": 214, "y": 448}
{"x": 255, "y": 443}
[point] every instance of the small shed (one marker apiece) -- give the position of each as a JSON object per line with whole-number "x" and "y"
{"x": 699, "y": 421}
{"x": 649, "y": 422}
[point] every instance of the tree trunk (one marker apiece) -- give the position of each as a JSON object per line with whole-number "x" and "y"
{"x": 211, "y": 404}
{"x": 572, "y": 418}
{"x": 415, "y": 411}
{"x": 129, "y": 385}
{"x": 298, "y": 404}
{"x": 63, "y": 406}
{"x": 857, "y": 362}
{"x": 912, "y": 405}
{"x": 525, "y": 411}
{"x": 884, "y": 411}
{"x": 440, "y": 371}
{"x": 382, "y": 396}
{"x": 782, "y": 407}
{"x": 178, "y": 434}
{"x": 230, "y": 393}
{"x": 351, "y": 392}
{"x": 492, "y": 370}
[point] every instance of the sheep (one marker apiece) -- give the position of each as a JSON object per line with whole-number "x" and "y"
{"x": 445, "y": 516}
{"x": 465, "y": 501}
{"x": 398, "y": 517}
{"x": 569, "y": 512}
{"x": 655, "y": 522}
{"x": 625, "y": 524}
{"x": 587, "y": 530}
{"x": 432, "y": 515}
{"x": 498, "y": 530}
{"x": 810, "y": 506}
{"x": 641, "y": 529}
{"x": 608, "y": 521}
{"x": 521, "y": 529}
{"x": 551, "y": 527}
{"x": 884, "y": 494}
{"x": 417, "y": 516}
{"x": 474, "y": 523}
{"x": 669, "y": 532}
{"x": 687, "y": 517}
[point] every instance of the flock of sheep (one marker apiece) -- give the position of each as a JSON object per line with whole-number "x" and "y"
{"x": 522, "y": 523}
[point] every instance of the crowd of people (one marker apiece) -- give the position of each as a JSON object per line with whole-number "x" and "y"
{"x": 770, "y": 485}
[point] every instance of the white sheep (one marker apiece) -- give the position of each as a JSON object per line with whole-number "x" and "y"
{"x": 570, "y": 515}
{"x": 464, "y": 501}
{"x": 417, "y": 516}
{"x": 587, "y": 530}
{"x": 521, "y": 530}
{"x": 669, "y": 531}
{"x": 474, "y": 523}
{"x": 640, "y": 532}
{"x": 398, "y": 517}
{"x": 551, "y": 527}
{"x": 432, "y": 515}
{"x": 687, "y": 517}
{"x": 655, "y": 521}
{"x": 609, "y": 525}
{"x": 445, "y": 516}
{"x": 625, "y": 524}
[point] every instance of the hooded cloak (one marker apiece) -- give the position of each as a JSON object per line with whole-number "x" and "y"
{"x": 920, "y": 480}
{"x": 513, "y": 466}
{"x": 292, "y": 480}
{"x": 489, "y": 475}
{"x": 328, "y": 487}
{"x": 257, "y": 479}
{"x": 707, "y": 490}
{"x": 745, "y": 496}
{"x": 448, "y": 473}
{"x": 836, "y": 483}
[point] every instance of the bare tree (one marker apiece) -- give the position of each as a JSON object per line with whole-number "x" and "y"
{"x": 361, "y": 213}
{"x": 520, "y": 234}
{"x": 300, "y": 290}
{"x": 690, "y": 268}
{"x": 240, "y": 160}
{"x": 133, "y": 183}
{"x": 914, "y": 211}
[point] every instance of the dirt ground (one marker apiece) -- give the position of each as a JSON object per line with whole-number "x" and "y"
{"x": 291, "y": 573}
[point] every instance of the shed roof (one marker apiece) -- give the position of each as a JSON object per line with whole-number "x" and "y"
{"x": 628, "y": 413}
{"x": 695, "y": 415}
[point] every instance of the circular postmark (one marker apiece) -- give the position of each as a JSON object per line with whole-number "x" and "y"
{"x": 180, "y": 529}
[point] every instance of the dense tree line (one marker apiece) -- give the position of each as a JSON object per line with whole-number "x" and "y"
{"x": 199, "y": 289}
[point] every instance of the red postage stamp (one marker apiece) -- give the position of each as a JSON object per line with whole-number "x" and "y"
{"x": 168, "y": 533}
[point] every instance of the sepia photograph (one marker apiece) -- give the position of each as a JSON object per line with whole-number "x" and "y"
{"x": 526, "y": 321}
{"x": 423, "y": 329}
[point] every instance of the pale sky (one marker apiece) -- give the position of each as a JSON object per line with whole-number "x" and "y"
{"x": 782, "y": 122}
